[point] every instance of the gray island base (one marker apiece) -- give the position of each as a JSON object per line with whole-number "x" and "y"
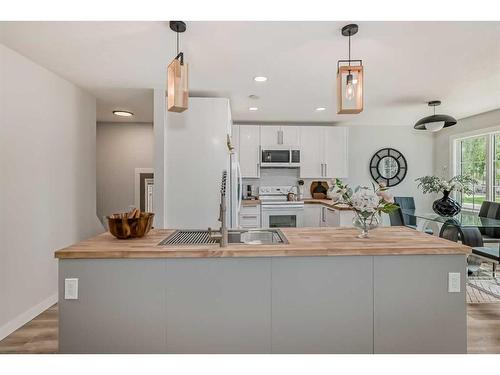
{"x": 344, "y": 304}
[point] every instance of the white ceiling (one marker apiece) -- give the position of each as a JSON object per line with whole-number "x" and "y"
{"x": 406, "y": 64}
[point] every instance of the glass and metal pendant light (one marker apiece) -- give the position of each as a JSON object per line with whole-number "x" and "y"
{"x": 349, "y": 79}
{"x": 177, "y": 76}
{"x": 435, "y": 122}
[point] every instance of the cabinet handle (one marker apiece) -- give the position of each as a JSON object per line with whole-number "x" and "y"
{"x": 326, "y": 170}
{"x": 249, "y": 216}
{"x": 322, "y": 168}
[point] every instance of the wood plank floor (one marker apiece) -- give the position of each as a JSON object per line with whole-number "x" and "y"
{"x": 38, "y": 336}
{"x": 41, "y": 334}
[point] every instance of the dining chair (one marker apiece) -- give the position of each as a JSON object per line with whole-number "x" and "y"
{"x": 490, "y": 210}
{"x": 396, "y": 218}
{"x": 399, "y": 218}
{"x": 407, "y": 203}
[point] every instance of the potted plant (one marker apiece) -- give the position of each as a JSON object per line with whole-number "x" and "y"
{"x": 367, "y": 204}
{"x": 446, "y": 206}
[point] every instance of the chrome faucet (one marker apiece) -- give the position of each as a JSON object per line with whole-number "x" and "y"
{"x": 221, "y": 235}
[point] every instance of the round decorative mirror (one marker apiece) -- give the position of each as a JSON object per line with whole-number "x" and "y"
{"x": 388, "y": 166}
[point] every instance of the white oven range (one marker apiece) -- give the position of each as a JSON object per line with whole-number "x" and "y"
{"x": 277, "y": 211}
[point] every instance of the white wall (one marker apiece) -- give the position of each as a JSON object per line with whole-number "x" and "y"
{"x": 466, "y": 126}
{"x": 47, "y": 190}
{"x": 121, "y": 147}
{"x": 417, "y": 147}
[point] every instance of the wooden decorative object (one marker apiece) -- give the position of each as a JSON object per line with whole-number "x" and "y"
{"x": 130, "y": 224}
{"x": 177, "y": 84}
{"x": 355, "y": 105}
{"x": 319, "y": 189}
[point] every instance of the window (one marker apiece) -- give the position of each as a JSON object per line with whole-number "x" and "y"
{"x": 496, "y": 169}
{"x": 472, "y": 154}
{"x": 479, "y": 157}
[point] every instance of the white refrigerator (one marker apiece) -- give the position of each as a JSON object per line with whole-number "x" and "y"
{"x": 196, "y": 153}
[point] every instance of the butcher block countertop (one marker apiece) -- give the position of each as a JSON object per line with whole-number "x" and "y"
{"x": 302, "y": 242}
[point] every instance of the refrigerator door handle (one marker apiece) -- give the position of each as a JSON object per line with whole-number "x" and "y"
{"x": 240, "y": 183}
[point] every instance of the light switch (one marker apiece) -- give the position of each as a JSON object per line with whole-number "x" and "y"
{"x": 70, "y": 288}
{"x": 454, "y": 282}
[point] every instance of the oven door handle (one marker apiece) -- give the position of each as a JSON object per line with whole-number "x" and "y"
{"x": 281, "y": 208}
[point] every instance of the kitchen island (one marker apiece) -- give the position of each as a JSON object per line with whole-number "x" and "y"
{"x": 325, "y": 291}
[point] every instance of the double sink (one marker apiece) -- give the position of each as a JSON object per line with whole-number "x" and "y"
{"x": 235, "y": 237}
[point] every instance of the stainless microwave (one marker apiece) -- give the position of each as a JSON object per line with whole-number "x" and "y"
{"x": 287, "y": 157}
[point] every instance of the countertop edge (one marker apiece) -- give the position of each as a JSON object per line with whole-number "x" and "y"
{"x": 304, "y": 242}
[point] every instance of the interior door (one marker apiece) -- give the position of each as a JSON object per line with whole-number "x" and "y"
{"x": 311, "y": 155}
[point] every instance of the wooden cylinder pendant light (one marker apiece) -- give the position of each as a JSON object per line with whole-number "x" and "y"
{"x": 177, "y": 77}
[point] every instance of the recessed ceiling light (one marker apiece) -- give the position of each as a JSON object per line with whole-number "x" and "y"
{"x": 123, "y": 113}
{"x": 260, "y": 79}
{"x": 253, "y": 109}
{"x": 320, "y": 109}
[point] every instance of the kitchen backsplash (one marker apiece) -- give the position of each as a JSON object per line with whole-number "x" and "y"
{"x": 281, "y": 177}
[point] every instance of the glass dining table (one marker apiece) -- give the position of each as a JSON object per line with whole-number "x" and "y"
{"x": 463, "y": 227}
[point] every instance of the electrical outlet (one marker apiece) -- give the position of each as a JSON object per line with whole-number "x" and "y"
{"x": 454, "y": 282}
{"x": 70, "y": 288}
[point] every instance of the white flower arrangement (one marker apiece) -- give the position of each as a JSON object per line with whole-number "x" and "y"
{"x": 365, "y": 201}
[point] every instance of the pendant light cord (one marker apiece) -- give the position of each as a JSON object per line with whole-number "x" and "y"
{"x": 180, "y": 55}
{"x": 349, "y": 48}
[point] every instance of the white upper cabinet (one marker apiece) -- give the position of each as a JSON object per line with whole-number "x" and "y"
{"x": 270, "y": 136}
{"x": 311, "y": 152}
{"x": 249, "y": 142}
{"x": 323, "y": 152}
{"x": 335, "y": 159}
{"x": 291, "y": 135}
{"x": 279, "y": 136}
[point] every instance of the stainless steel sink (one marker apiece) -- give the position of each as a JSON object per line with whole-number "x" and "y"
{"x": 256, "y": 237}
{"x": 235, "y": 236}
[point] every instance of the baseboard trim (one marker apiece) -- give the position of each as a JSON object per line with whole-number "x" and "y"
{"x": 26, "y": 316}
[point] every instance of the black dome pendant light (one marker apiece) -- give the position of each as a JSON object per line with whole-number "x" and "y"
{"x": 435, "y": 122}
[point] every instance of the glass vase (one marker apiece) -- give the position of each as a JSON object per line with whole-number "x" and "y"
{"x": 365, "y": 224}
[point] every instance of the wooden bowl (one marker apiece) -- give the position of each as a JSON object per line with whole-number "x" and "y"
{"x": 122, "y": 227}
{"x": 319, "y": 189}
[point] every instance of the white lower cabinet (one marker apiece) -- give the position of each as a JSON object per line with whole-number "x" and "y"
{"x": 331, "y": 216}
{"x": 250, "y": 217}
{"x": 317, "y": 215}
{"x": 312, "y": 213}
